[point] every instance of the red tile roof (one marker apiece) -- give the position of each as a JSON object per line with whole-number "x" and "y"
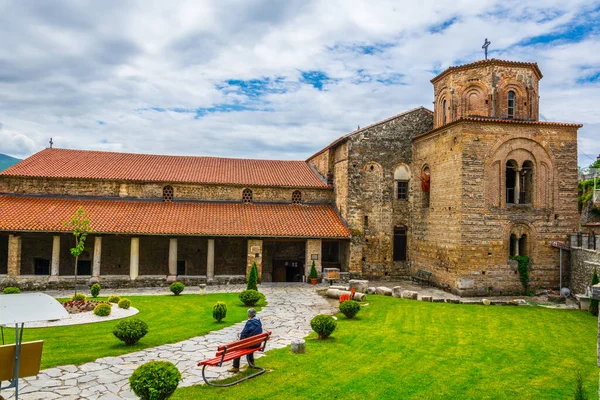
{"x": 491, "y": 61}
{"x": 82, "y": 164}
{"x": 490, "y": 120}
{"x": 42, "y": 214}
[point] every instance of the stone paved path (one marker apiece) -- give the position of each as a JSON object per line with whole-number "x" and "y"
{"x": 288, "y": 315}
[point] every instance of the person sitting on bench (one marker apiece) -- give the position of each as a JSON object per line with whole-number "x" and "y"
{"x": 253, "y": 327}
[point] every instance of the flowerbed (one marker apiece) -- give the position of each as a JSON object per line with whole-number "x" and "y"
{"x": 79, "y": 306}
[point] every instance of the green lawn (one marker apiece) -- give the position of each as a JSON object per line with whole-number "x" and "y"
{"x": 170, "y": 319}
{"x": 403, "y": 349}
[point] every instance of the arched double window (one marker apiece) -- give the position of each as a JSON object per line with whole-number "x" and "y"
{"x": 519, "y": 244}
{"x": 445, "y": 111}
{"x": 511, "y": 105}
{"x": 247, "y": 196}
{"x": 168, "y": 193}
{"x": 519, "y": 182}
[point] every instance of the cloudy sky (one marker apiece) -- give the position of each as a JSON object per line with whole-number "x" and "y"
{"x": 268, "y": 79}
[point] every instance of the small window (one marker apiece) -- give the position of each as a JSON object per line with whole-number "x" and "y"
{"x": 402, "y": 190}
{"x": 366, "y": 221}
{"x": 168, "y": 194}
{"x": 511, "y": 104}
{"x": 444, "y": 111}
{"x": 247, "y": 196}
{"x": 297, "y": 197}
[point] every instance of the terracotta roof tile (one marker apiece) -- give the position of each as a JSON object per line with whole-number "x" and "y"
{"x": 82, "y": 164}
{"x": 491, "y": 61}
{"x": 498, "y": 121}
{"x": 43, "y": 214}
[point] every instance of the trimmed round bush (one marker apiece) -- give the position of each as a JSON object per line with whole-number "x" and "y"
{"x": 155, "y": 380}
{"x": 102, "y": 310}
{"x": 177, "y": 288}
{"x": 114, "y": 299}
{"x": 350, "y": 308}
{"x": 11, "y": 290}
{"x": 125, "y": 304}
{"x": 250, "y": 297}
{"x": 219, "y": 311}
{"x": 324, "y": 325}
{"x": 78, "y": 297}
{"x": 130, "y": 331}
{"x": 95, "y": 290}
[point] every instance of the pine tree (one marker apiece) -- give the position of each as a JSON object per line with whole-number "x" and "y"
{"x": 594, "y": 303}
{"x": 253, "y": 278}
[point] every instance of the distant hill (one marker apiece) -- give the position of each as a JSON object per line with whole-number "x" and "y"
{"x": 7, "y": 161}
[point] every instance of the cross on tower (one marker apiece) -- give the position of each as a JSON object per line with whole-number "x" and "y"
{"x": 485, "y": 46}
{"x": 51, "y": 142}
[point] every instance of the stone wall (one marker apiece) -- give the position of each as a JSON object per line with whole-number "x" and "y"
{"x": 483, "y": 91}
{"x": 583, "y": 262}
{"x": 230, "y": 256}
{"x": 193, "y": 252}
{"x": 463, "y": 237}
{"x": 182, "y": 191}
{"x": 374, "y": 154}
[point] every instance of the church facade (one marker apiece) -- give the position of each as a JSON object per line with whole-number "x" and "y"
{"x": 456, "y": 192}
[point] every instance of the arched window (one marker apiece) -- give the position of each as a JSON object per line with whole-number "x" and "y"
{"x": 168, "y": 194}
{"x": 401, "y": 178}
{"x": 526, "y": 183}
{"x": 514, "y": 245}
{"x": 400, "y": 244}
{"x": 511, "y": 104}
{"x": 297, "y": 197}
{"x": 425, "y": 187}
{"x": 511, "y": 182}
{"x": 444, "y": 111}
{"x": 247, "y": 196}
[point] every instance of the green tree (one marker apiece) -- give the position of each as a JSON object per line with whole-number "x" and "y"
{"x": 80, "y": 225}
{"x": 596, "y": 164}
{"x": 253, "y": 278}
{"x": 594, "y": 303}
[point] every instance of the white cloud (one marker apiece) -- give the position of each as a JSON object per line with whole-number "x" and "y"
{"x": 89, "y": 74}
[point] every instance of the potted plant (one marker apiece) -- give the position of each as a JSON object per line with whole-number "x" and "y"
{"x": 313, "y": 274}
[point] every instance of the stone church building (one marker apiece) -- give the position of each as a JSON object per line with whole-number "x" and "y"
{"x": 456, "y": 192}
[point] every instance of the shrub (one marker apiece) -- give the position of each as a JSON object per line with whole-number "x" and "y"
{"x": 114, "y": 299}
{"x": 78, "y": 297}
{"x": 350, "y": 308}
{"x": 324, "y": 325}
{"x": 313, "y": 271}
{"x": 177, "y": 288}
{"x": 219, "y": 311}
{"x": 11, "y": 290}
{"x": 102, "y": 310}
{"x": 253, "y": 278}
{"x": 523, "y": 269}
{"x": 125, "y": 304}
{"x": 155, "y": 380}
{"x": 250, "y": 297}
{"x": 95, "y": 290}
{"x": 594, "y": 303}
{"x": 344, "y": 297}
{"x": 130, "y": 331}
{"x": 579, "y": 393}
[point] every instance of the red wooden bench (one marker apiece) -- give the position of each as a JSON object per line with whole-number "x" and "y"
{"x": 235, "y": 350}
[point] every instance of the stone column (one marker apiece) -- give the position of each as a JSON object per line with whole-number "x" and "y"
{"x": 172, "y": 260}
{"x": 517, "y": 185}
{"x": 97, "y": 261}
{"x": 55, "y": 264}
{"x": 14, "y": 255}
{"x": 210, "y": 260}
{"x": 254, "y": 255}
{"x": 313, "y": 246}
{"x": 134, "y": 259}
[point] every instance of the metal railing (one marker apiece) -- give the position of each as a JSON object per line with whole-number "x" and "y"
{"x": 585, "y": 241}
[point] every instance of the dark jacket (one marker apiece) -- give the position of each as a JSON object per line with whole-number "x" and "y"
{"x": 253, "y": 327}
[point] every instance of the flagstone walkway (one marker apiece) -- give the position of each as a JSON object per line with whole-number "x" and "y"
{"x": 288, "y": 315}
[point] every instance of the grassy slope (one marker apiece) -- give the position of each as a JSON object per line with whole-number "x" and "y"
{"x": 170, "y": 319}
{"x": 414, "y": 350}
